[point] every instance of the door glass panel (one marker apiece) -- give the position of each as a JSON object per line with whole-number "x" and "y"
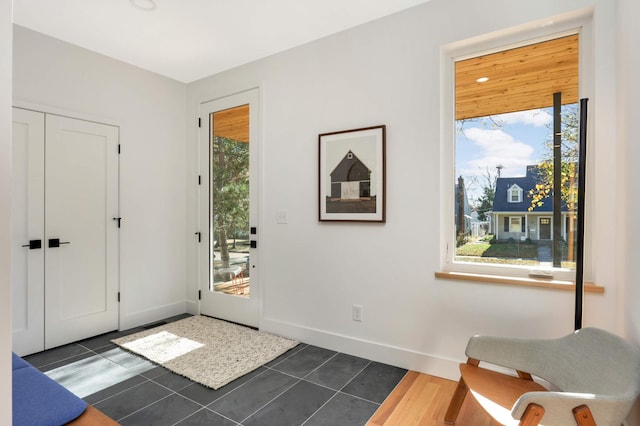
{"x": 229, "y": 201}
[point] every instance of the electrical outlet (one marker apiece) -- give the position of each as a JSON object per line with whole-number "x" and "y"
{"x": 356, "y": 313}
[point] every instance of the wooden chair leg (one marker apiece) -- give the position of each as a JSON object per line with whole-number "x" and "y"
{"x": 458, "y": 397}
{"x": 456, "y": 402}
{"x": 524, "y": 375}
{"x": 532, "y": 415}
{"x": 583, "y": 416}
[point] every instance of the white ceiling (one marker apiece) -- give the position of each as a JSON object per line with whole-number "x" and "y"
{"x": 190, "y": 39}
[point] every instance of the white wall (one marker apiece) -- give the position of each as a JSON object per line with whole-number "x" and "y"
{"x": 388, "y": 72}
{"x": 5, "y": 210}
{"x": 628, "y": 60}
{"x": 150, "y": 110}
{"x": 628, "y": 119}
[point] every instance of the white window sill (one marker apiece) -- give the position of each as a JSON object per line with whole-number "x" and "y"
{"x": 517, "y": 281}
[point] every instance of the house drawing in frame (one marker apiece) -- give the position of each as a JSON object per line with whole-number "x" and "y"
{"x": 351, "y": 179}
{"x": 352, "y": 175}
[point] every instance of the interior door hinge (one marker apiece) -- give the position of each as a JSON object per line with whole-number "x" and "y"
{"x": 199, "y": 294}
{"x": 119, "y": 149}
{"x": 199, "y": 122}
{"x": 119, "y": 219}
{"x": 118, "y": 296}
{"x": 199, "y": 180}
{"x": 199, "y": 236}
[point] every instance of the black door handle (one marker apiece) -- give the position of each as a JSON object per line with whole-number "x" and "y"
{"x": 55, "y": 242}
{"x": 33, "y": 244}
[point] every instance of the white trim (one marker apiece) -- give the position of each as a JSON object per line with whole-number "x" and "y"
{"x": 518, "y": 36}
{"x": 375, "y": 351}
{"x": 47, "y": 109}
{"x": 580, "y": 22}
{"x": 514, "y": 188}
{"x": 193, "y": 307}
{"x": 513, "y": 219}
{"x": 147, "y": 316}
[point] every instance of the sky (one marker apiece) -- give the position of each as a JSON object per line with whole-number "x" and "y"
{"x": 518, "y": 141}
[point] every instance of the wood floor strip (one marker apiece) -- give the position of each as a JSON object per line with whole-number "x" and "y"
{"x": 422, "y": 400}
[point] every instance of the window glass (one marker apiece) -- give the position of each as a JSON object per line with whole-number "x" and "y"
{"x": 515, "y": 194}
{"x": 507, "y": 161}
{"x": 515, "y": 225}
{"x": 229, "y": 201}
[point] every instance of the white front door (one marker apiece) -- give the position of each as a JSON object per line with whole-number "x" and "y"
{"x": 65, "y": 196}
{"x": 228, "y": 259}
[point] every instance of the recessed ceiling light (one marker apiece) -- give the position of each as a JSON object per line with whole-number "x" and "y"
{"x": 146, "y": 5}
{"x": 482, "y": 79}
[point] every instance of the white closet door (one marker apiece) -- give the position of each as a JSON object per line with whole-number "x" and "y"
{"x": 81, "y": 193}
{"x": 27, "y": 208}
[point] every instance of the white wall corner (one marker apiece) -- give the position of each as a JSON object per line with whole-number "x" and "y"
{"x": 193, "y": 307}
{"x": 6, "y": 41}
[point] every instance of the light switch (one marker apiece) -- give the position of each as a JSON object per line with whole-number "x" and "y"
{"x": 282, "y": 217}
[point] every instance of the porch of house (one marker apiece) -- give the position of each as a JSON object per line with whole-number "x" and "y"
{"x": 233, "y": 279}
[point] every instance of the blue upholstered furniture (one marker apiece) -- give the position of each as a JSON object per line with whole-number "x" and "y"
{"x": 39, "y": 400}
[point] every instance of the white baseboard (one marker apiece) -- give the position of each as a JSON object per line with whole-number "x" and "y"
{"x": 387, "y": 354}
{"x": 135, "y": 319}
{"x": 193, "y": 307}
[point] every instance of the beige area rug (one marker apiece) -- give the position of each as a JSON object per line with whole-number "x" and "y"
{"x": 207, "y": 350}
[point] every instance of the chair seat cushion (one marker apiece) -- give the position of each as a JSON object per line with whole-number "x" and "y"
{"x": 497, "y": 392}
{"x": 39, "y": 400}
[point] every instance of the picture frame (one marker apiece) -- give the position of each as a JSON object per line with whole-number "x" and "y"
{"x": 352, "y": 176}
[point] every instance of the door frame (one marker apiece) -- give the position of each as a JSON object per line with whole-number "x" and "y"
{"x": 233, "y": 308}
{"x": 28, "y": 284}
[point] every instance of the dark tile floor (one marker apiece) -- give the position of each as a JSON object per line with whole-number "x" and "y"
{"x": 308, "y": 385}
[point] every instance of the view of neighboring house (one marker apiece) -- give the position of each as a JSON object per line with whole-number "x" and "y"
{"x": 511, "y": 217}
{"x": 462, "y": 209}
{"x": 467, "y": 222}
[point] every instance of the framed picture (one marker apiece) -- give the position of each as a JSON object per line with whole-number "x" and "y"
{"x": 351, "y": 177}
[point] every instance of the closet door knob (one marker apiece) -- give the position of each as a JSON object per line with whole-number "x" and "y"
{"x": 55, "y": 242}
{"x": 33, "y": 244}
